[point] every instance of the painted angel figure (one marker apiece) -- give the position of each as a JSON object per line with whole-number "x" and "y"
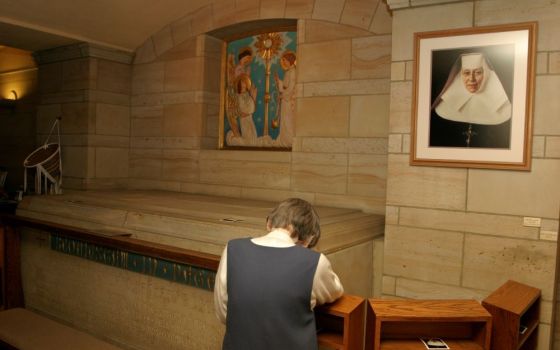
{"x": 241, "y": 99}
{"x": 286, "y": 88}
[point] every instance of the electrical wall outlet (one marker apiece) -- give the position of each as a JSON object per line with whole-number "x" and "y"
{"x": 531, "y": 222}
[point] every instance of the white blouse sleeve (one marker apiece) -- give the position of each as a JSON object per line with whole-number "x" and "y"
{"x": 220, "y": 289}
{"x": 326, "y": 285}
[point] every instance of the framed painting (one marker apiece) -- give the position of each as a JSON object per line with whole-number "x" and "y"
{"x": 472, "y": 101}
{"x": 258, "y": 91}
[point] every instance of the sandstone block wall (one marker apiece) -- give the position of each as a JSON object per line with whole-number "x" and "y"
{"x": 459, "y": 233}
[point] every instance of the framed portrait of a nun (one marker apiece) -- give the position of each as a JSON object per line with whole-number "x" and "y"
{"x": 473, "y": 97}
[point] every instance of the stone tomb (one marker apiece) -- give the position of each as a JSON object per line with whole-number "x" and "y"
{"x": 135, "y": 300}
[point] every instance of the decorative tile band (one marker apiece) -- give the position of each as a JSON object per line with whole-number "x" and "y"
{"x": 168, "y": 270}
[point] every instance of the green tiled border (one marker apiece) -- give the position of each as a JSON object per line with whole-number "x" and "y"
{"x": 168, "y": 270}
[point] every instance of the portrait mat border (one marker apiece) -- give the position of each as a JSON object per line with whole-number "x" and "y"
{"x": 518, "y": 157}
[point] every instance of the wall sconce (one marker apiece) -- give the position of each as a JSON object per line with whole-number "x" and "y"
{"x": 9, "y": 103}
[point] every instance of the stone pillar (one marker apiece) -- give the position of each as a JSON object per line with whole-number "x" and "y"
{"x": 89, "y": 87}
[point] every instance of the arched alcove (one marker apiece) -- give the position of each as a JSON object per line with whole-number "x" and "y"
{"x": 339, "y": 153}
{"x": 253, "y": 27}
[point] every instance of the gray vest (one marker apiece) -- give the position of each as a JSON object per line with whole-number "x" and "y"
{"x": 269, "y": 291}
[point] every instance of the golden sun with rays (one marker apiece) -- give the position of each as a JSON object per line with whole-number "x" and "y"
{"x": 268, "y": 45}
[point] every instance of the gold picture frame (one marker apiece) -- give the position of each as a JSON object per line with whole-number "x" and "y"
{"x": 258, "y": 89}
{"x": 472, "y": 102}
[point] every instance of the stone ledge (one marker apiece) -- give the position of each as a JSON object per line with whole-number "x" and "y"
{"x": 82, "y": 50}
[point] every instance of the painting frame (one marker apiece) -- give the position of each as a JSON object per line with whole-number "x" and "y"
{"x": 448, "y": 104}
{"x": 284, "y": 41}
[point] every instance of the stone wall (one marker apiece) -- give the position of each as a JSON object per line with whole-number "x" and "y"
{"x": 133, "y": 310}
{"x": 89, "y": 87}
{"x": 458, "y": 233}
{"x": 339, "y": 156}
{"x": 155, "y": 124}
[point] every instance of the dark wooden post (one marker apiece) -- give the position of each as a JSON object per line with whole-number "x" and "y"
{"x": 2, "y": 266}
{"x": 12, "y": 291}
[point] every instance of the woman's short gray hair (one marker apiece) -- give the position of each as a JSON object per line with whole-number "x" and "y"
{"x": 299, "y": 217}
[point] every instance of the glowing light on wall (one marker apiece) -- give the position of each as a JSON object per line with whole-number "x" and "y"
{"x": 9, "y": 101}
{"x": 21, "y": 82}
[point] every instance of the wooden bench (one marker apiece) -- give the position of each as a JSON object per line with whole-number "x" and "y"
{"x": 26, "y": 330}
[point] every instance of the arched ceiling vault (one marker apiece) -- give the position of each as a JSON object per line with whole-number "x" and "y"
{"x": 121, "y": 24}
